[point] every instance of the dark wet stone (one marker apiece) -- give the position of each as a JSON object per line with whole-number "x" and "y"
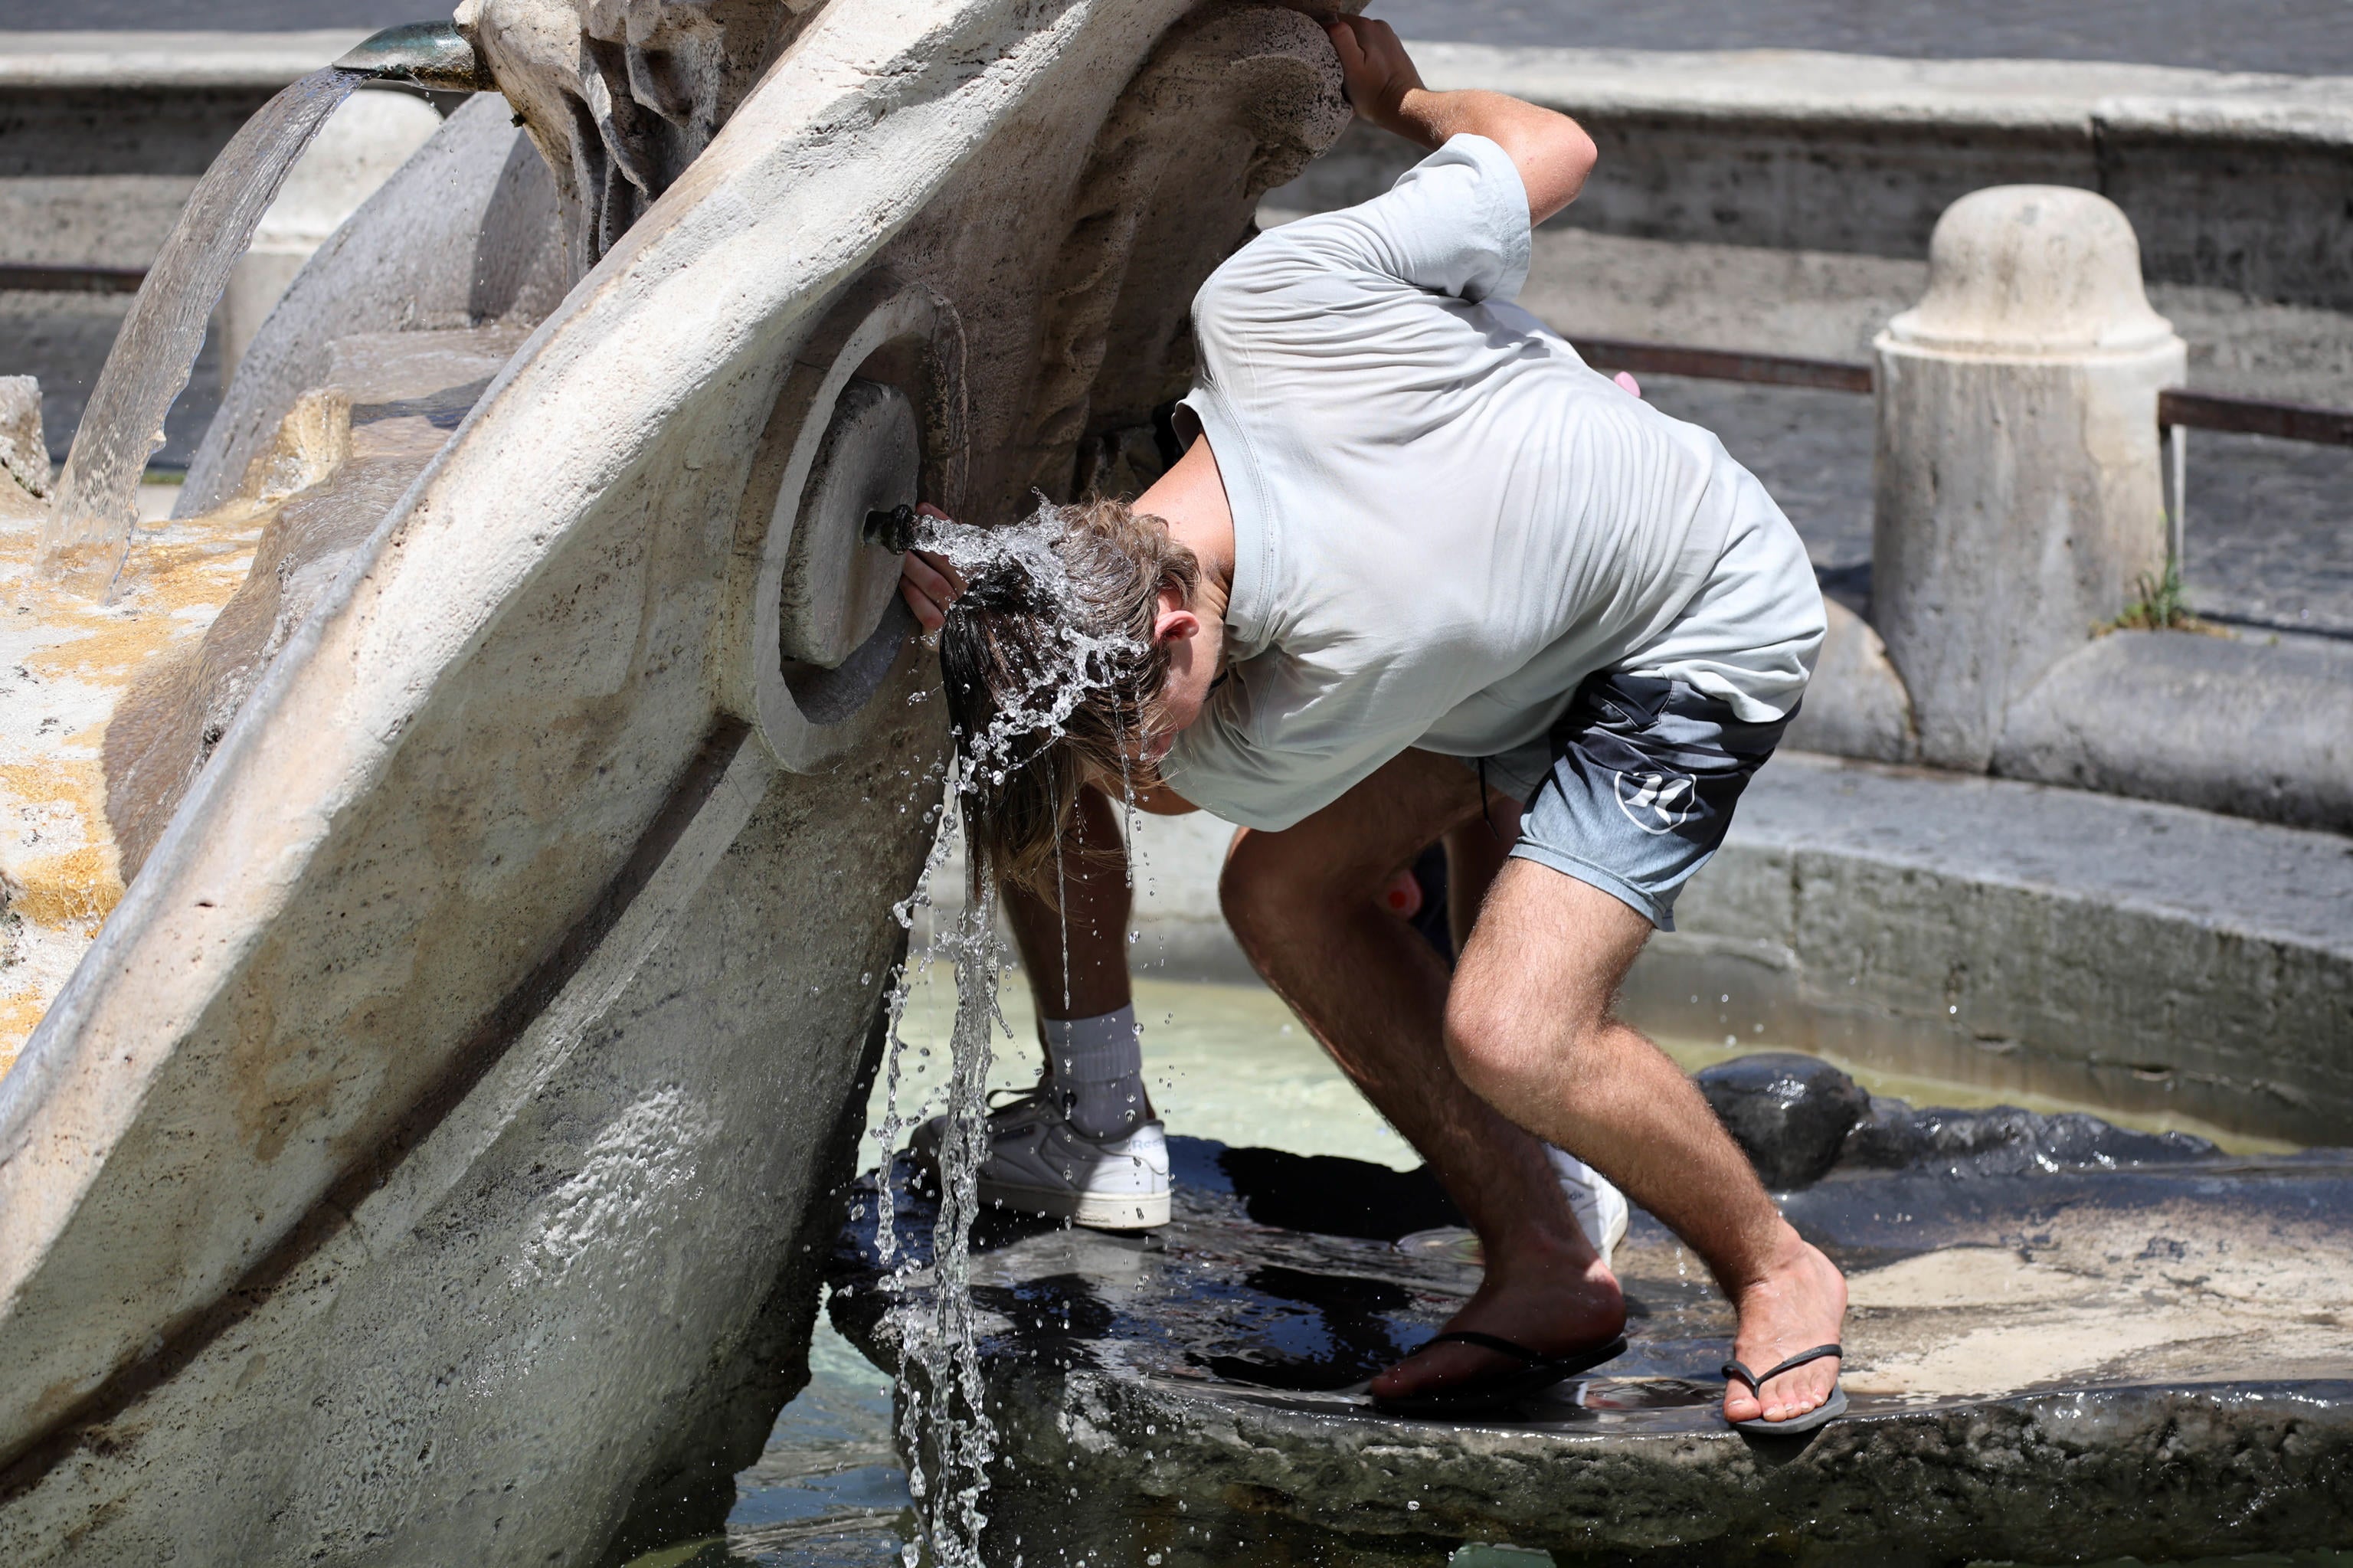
{"x": 2006, "y": 1140}
{"x": 2054, "y": 1359}
{"x": 1338, "y": 1197}
{"x": 1790, "y": 1114}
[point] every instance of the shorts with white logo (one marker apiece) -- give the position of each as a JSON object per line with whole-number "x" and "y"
{"x": 1644, "y": 775}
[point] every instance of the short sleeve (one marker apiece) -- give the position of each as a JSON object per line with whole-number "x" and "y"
{"x": 1287, "y": 738}
{"x": 1456, "y": 223}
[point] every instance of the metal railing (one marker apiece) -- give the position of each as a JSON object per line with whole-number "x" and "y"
{"x": 1724, "y": 365}
{"x": 71, "y": 279}
{"x": 2178, "y": 411}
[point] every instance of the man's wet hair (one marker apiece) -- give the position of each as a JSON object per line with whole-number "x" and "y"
{"x": 1053, "y": 678}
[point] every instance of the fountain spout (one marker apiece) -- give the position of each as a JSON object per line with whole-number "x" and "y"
{"x": 433, "y": 55}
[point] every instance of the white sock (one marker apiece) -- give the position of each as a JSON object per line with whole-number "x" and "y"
{"x": 1098, "y": 1066}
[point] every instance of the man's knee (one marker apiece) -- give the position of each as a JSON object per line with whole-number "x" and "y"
{"x": 1255, "y": 893}
{"x": 1504, "y": 1045}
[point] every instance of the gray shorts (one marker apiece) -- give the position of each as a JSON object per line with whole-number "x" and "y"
{"x": 1643, "y": 774}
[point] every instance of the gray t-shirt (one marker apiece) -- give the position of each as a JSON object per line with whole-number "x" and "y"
{"x": 1443, "y": 520}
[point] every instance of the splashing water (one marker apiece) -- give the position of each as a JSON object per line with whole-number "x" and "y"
{"x": 87, "y": 532}
{"x": 945, "y": 1431}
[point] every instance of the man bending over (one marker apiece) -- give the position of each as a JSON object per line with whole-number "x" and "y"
{"x": 1420, "y": 566}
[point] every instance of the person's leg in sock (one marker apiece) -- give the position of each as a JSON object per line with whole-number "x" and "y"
{"x": 1076, "y": 959}
{"x": 1084, "y": 1145}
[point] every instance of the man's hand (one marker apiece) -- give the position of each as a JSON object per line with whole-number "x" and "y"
{"x": 928, "y": 582}
{"x": 1551, "y": 151}
{"x": 1377, "y": 69}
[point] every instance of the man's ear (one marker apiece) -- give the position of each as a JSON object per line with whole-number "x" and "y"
{"x": 1174, "y": 625}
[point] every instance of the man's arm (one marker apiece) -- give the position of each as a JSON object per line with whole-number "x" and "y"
{"x": 1551, "y": 151}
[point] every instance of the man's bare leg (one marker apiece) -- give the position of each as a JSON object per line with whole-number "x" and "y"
{"x": 1528, "y": 1025}
{"x": 1304, "y": 902}
{"x": 1476, "y": 852}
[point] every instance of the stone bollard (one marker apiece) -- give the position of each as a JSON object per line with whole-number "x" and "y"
{"x": 24, "y": 450}
{"x": 2017, "y": 488}
{"x": 370, "y": 137}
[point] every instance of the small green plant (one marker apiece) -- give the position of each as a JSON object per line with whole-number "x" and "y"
{"x": 2159, "y": 606}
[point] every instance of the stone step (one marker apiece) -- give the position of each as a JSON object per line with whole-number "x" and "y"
{"x": 1794, "y": 149}
{"x": 2140, "y": 956}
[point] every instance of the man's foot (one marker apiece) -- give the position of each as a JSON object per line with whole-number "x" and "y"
{"x": 1038, "y": 1163}
{"x": 1552, "y": 1306}
{"x": 1800, "y": 1303}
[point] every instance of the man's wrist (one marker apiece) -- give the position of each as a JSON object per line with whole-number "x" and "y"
{"x": 1417, "y": 115}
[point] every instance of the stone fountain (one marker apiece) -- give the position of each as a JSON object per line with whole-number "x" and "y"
{"x": 451, "y": 881}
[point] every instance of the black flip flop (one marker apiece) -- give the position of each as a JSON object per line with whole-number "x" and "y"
{"x": 1821, "y": 1415}
{"x": 1486, "y": 1396}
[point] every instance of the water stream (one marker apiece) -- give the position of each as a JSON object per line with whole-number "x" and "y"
{"x": 89, "y": 529}
{"x": 944, "y": 1425}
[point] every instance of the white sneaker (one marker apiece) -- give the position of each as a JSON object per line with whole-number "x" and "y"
{"x": 1040, "y": 1164}
{"x": 1601, "y": 1207}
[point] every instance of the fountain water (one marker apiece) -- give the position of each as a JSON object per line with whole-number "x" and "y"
{"x": 95, "y": 509}
{"x": 945, "y": 1427}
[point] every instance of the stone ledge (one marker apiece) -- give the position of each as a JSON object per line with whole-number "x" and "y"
{"x": 2235, "y": 180}
{"x": 150, "y": 60}
{"x": 2026, "y": 937}
{"x": 1810, "y": 88}
{"x": 2224, "y": 724}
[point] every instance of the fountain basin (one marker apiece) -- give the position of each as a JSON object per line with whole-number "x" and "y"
{"x": 2055, "y": 1357}
{"x": 421, "y": 1160}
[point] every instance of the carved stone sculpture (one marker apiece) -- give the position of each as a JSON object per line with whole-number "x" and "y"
{"x": 415, "y": 1167}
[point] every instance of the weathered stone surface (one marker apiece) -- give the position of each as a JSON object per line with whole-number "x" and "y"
{"x": 622, "y": 98}
{"x": 2228, "y": 725}
{"x": 2026, "y": 939}
{"x": 430, "y": 1126}
{"x": 23, "y": 454}
{"x": 2061, "y": 1362}
{"x": 347, "y": 452}
{"x": 1855, "y": 705}
{"x": 65, "y": 665}
{"x": 2016, "y": 492}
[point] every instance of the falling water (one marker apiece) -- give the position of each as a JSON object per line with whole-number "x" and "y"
{"x": 945, "y": 1428}
{"x": 88, "y": 531}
